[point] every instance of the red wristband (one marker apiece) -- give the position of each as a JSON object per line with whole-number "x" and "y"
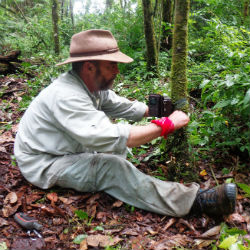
{"x": 166, "y": 124}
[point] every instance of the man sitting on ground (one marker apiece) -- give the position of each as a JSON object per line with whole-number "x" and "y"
{"x": 66, "y": 138}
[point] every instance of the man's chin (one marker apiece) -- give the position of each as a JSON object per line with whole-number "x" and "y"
{"x": 107, "y": 86}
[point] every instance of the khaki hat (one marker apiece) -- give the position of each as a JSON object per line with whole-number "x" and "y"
{"x": 95, "y": 45}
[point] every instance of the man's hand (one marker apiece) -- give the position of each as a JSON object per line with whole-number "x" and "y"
{"x": 179, "y": 119}
{"x": 142, "y": 134}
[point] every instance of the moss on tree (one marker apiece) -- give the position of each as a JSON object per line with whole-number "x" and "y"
{"x": 179, "y": 140}
{"x": 152, "y": 52}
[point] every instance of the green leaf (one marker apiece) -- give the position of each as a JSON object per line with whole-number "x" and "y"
{"x": 241, "y": 247}
{"x": 3, "y": 246}
{"x": 225, "y": 171}
{"x": 226, "y": 243}
{"x": 244, "y": 187}
{"x": 99, "y": 228}
{"x": 247, "y": 97}
{"x": 222, "y": 104}
{"x": 79, "y": 238}
{"x": 235, "y": 230}
{"x": 204, "y": 83}
{"x": 81, "y": 214}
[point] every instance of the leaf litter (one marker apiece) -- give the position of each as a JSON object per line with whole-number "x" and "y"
{"x": 108, "y": 222}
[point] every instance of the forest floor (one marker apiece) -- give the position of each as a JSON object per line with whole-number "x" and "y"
{"x": 73, "y": 220}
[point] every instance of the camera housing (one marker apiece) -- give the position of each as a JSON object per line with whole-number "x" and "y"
{"x": 160, "y": 106}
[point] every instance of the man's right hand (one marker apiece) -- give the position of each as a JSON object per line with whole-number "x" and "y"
{"x": 142, "y": 134}
{"x": 179, "y": 119}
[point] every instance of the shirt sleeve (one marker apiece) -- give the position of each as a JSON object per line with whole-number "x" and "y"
{"x": 90, "y": 127}
{"x": 119, "y": 107}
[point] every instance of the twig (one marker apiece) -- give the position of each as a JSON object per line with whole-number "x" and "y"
{"x": 217, "y": 183}
{"x": 194, "y": 99}
{"x": 204, "y": 237}
{"x": 8, "y": 9}
{"x": 27, "y": 21}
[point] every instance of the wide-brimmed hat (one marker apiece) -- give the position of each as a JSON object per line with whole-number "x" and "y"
{"x": 95, "y": 45}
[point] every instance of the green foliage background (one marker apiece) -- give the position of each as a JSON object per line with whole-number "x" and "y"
{"x": 218, "y": 63}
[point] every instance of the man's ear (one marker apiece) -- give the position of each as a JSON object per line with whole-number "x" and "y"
{"x": 89, "y": 67}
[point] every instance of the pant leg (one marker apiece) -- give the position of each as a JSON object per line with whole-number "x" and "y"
{"x": 119, "y": 178}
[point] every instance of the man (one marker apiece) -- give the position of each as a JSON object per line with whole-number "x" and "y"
{"x": 66, "y": 138}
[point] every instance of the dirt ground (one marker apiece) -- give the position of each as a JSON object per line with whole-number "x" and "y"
{"x": 103, "y": 220}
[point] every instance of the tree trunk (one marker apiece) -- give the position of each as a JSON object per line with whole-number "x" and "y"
{"x": 108, "y": 6}
{"x": 10, "y": 63}
{"x": 62, "y": 9}
{"x": 87, "y": 6}
{"x": 246, "y": 10}
{"x": 179, "y": 84}
{"x": 166, "y": 38}
{"x": 180, "y": 47}
{"x": 55, "y": 26}
{"x": 71, "y": 4}
{"x": 152, "y": 53}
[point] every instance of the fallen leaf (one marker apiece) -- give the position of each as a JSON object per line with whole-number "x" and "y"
{"x": 235, "y": 218}
{"x": 47, "y": 210}
{"x": 52, "y": 197}
{"x": 3, "y": 222}
{"x": 204, "y": 221}
{"x": 32, "y": 198}
{"x": 63, "y": 236}
{"x": 129, "y": 231}
{"x": 102, "y": 240}
{"x": 206, "y": 184}
{"x": 14, "y": 128}
{"x": 6, "y": 137}
{"x": 8, "y": 210}
{"x": 139, "y": 216}
{"x": 91, "y": 210}
{"x": 171, "y": 242}
{"x": 50, "y": 239}
{"x": 113, "y": 222}
{"x": 58, "y": 210}
{"x": 28, "y": 244}
{"x": 66, "y": 201}
{"x": 93, "y": 198}
{"x": 247, "y": 219}
{"x": 169, "y": 224}
{"x": 58, "y": 221}
{"x": 212, "y": 232}
{"x": 241, "y": 178}
{"x": 200, "y": 244}
{"x": 186, "y": 223}
{"x": 2, "y": 149}
{"x": 151, "y": 231}
{"x": 139, "y": 243}
{"x": 203, "y": 172}
{"x": 102, "y": 216}
{"x": 10, "y": 198}
{"x": 83, "y": 245}
{"x": 117, "y": 204}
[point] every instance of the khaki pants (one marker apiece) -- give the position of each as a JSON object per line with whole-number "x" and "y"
{"x": 116, "y": 176}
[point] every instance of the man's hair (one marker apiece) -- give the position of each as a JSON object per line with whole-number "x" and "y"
{"x": 77, "y": 66}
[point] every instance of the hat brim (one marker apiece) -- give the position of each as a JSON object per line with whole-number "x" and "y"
{"x": 113, "y": 57}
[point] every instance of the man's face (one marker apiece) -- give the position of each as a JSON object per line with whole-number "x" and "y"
{"x": 105, "y": 75}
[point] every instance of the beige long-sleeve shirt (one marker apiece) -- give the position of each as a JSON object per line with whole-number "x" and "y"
{"x": 65, "y": 118}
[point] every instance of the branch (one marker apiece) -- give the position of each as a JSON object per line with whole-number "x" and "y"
{"x": 8, "y": 9}
{"x": 27, "y": 21}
